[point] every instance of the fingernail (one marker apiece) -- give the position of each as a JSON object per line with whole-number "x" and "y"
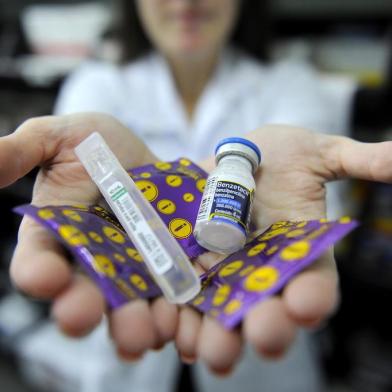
{"x": 314, "y": 324}
{"x": 221, "y": 372}
{"x": 129, "y": 356}
{"x": 188, "y": 359}
{"x": 273, "y": 355}
{"x": 158, "y": 346}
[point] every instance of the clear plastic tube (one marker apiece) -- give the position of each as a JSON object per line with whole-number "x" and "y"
{"x": 165, "y": 259}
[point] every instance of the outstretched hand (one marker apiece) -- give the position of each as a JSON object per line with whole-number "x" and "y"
{"x": 296, "y": 165}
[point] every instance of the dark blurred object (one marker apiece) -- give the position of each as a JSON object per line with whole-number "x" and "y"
{"x": 321, "y": 17}
{"x": 361, "y": 342}
{"x": 11, "y": 380}
{"x": 372, "y": 107}
{"x": 372, "y": 243}
{"x": 359, "y": 348}
{"x": 185, "y": 379}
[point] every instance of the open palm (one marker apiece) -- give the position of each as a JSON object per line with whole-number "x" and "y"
{"x": 296, "y": 165}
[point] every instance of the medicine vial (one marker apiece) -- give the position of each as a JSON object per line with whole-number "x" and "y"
{"x": 223, "y": 219}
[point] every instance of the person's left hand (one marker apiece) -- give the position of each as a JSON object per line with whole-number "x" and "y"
{"x": 296, "y": 165}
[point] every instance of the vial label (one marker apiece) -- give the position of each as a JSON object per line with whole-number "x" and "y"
{"x": 133, "y": 218}
{"x": 226, "y": 200}
{"x": 208, "y": 198}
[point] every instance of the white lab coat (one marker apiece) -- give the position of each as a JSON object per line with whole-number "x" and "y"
{"x": 242, "y": 96}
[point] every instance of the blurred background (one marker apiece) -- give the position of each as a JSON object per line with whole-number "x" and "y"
{"x": 42, "y": 42}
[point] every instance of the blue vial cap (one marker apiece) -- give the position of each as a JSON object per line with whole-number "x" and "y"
{"x": 240, "y": 140}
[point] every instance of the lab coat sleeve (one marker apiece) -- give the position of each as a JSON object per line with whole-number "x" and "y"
{"x": 339, "y": 91}
{"x": 89, "y": 88}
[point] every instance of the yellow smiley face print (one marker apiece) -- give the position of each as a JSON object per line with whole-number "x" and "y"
{"x": 273, "y": 233}
{"x": 95, "y": 237}
{"x": 173, "y": 180}
{"x": 198, "y": 300}
{"x": 145, "y": 175}
{"x": 119, "y": 257}
{"x": 103, "y": 265}
{"x": 138, "y": 282}
{"x": 188, "y": 197}
{"x": 134, "y": 254}
{"x": 221, "y": 295}
{"x": 148, "y": 188}
{"x": 46, "y": 214}
{"x": 295, "y": 251}
{"x": 279, "y": 224}
{"x": 232, "y": 306}
{"x": 72, "y": 214}
{"x": 185, "y": 162}
{"x": 163, "y": 165}
{"x": 231, "y": 268}
{"x": 166, "y": 206}
{"x": 114, "y": 234}
{"x": 247, "y": 270}
{"x": 255, "y": 250}
{"x": 201, "y": 184}
{"x": 72, "y": 235}
{"x": 261, "y": 279}
{"x": 82, "y": 207}
{"x": 180, "y": 228}
{"x": 295, "y": 233}
{"x": 272, "y": 250}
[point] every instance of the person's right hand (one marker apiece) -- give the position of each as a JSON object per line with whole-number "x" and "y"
{"x": 39, "y": 266}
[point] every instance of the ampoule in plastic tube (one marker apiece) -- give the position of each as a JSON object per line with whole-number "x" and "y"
{"x": 165, "y": 259}
{"x": 223, "y": 219}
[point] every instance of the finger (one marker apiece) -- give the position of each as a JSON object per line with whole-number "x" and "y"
{"x": 39, "y": 266}
{"x": 165, "y": 317}
{"x": 345, "y": 157}
{"x": 313, "y": 295}
{"x": 208, "y": 260}
{"x": 207, "y": 164}
{"x": 132, "y": 328}
{"x": 188, "y": 331}
{"x": 39, "y": 140}
{"x": 30, "y": 145}
{"x": 79, "y": 308}
{"x": 219, "y": 348}
{"x": 268, "y": 328}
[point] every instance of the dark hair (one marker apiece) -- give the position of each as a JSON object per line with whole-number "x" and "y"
{"x": 251, "y": 33}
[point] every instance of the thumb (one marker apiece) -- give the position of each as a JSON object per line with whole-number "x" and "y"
{"x": 348, "y": 158}
{"x": 29, "y": 146}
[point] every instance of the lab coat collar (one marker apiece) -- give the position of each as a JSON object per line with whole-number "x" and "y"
{"x": 228, "y": 83}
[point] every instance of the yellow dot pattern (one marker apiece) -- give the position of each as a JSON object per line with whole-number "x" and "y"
{"x": 256, "y": 271}
{"x": 263, "y": 269}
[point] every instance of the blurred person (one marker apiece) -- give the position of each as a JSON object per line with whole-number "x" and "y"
{"x": 194, "y": 72}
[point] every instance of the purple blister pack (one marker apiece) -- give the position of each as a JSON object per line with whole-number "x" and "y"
{"x": 265, "y": 266}
{"x": 229, "y": 289}
{"x": 174, "y": 189}
{"x": 97, "y": 240}
{"x": 101, "y": 246}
